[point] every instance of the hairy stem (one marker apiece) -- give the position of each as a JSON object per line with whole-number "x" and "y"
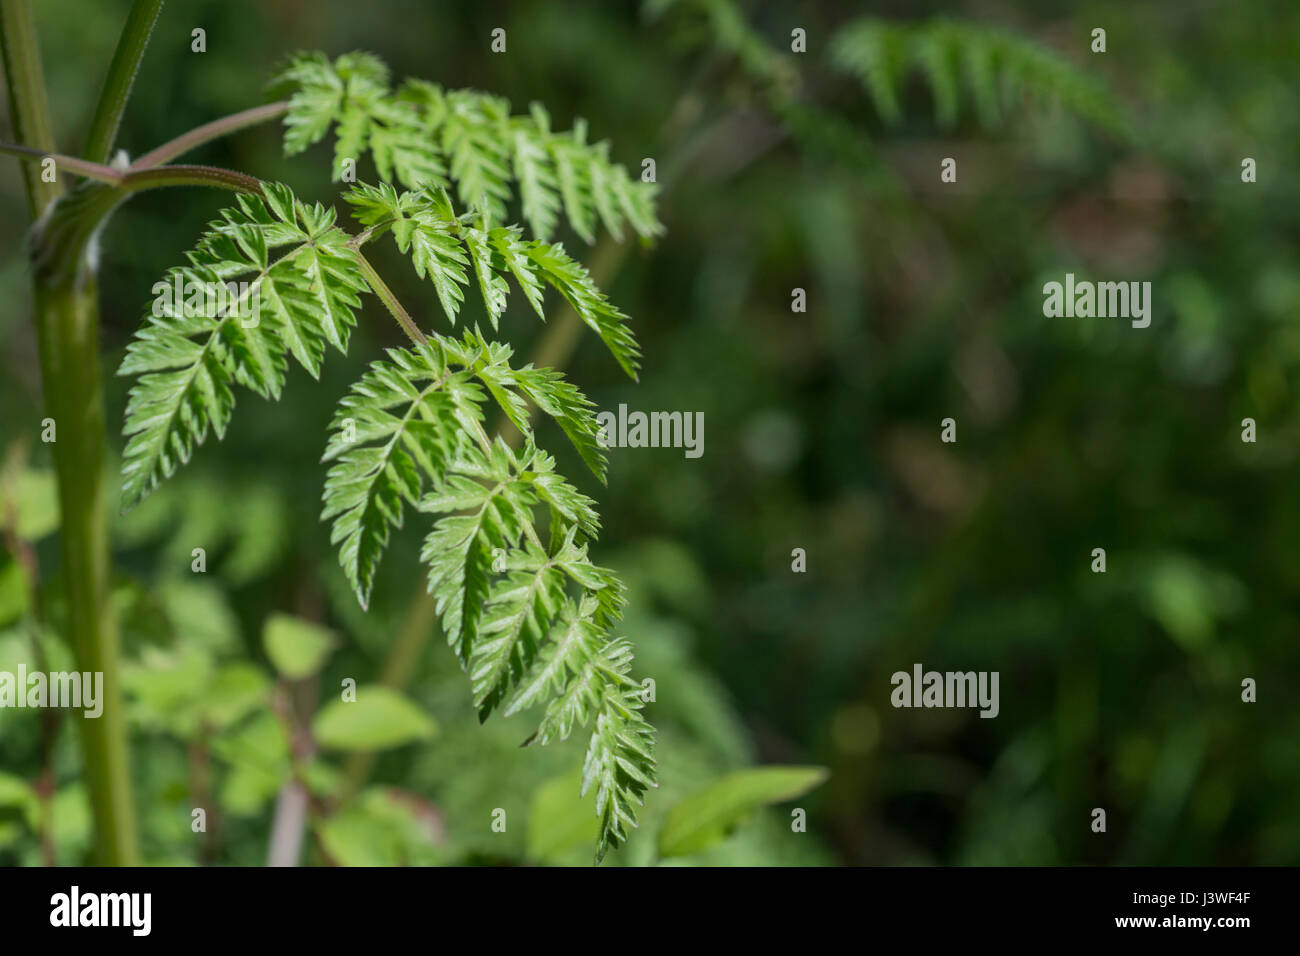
{"x": 120, "y": 79}
{"x": 72, "y": 164}
{"x": 135, "y": 180}
{"x": 210, "y": 131}
{"x": 380, "y": 288}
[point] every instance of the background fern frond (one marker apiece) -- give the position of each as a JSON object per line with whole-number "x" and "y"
{"x": 475, "y": 142}
{"x": 876, "y": 52}
{"x": 996, "y": 66}
{"x": 463, "y": 141}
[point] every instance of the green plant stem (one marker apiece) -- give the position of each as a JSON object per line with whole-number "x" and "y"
{"x": 67, "y": 325}
{"x": 380, "y": 288}
{"x": 121, "y": 77}
{"x": 28, "y": 105}
{"x": 67, "y": 322}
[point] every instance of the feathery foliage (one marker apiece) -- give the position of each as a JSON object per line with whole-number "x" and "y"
{"x": 529, "y": 619}
{"x": 274, "y": 276}
{"x": 420, "y": 135}
{"x": 405, "y": 422}
{"x": 997, "y": 66}
{"x": 447, "y": 248}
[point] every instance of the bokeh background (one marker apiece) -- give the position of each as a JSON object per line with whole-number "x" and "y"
{"x": 778, "y": 171}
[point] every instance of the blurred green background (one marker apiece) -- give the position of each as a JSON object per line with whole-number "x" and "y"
{"x": 777, "y": 171}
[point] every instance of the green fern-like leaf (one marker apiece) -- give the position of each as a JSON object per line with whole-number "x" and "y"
{"x": 397, "y": 424}
{"x": 405, "y": 421}
{"x": 298, "y": 287}
{"x": 539, "y": 188}
{"x": 447, "y": 247}
{"x": 463, "y": 141}
{"x": 529, "y": 619}
{"x": 620, "y": 756}
{"x": 532, "y": 622}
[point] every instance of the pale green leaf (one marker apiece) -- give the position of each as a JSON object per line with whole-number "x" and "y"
{"x": 297, "y": 648}
{"x": 379, "y": 719}
{"x": 700, "y": 820}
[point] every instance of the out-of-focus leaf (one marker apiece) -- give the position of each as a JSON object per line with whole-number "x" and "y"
{"x": 13, "y": 593}
{"x": 380, "y": 718}
{"x": 200, "y": 614}
{"x": 1187, "y": 598}
{"x": 560, "y": 821}
{"x": 259, "y": 535}
{"x": 165, "y": 688}
{"x": 383, "y": 828}
{"x": 17, "y": 795}
{"x": 298, "y": 648}
{"x": 258, "y": 754}
{"x": 704, "y": 818}
{"x": 15, "y": 651}
{"x": 142, "y": 616}
{"x": 36, "y": 501}
{"x": 355, "y": 838}
{"x": 70, "y": 816}
{"x": 323, "y": 779}
{"x": 235, "y": 692}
